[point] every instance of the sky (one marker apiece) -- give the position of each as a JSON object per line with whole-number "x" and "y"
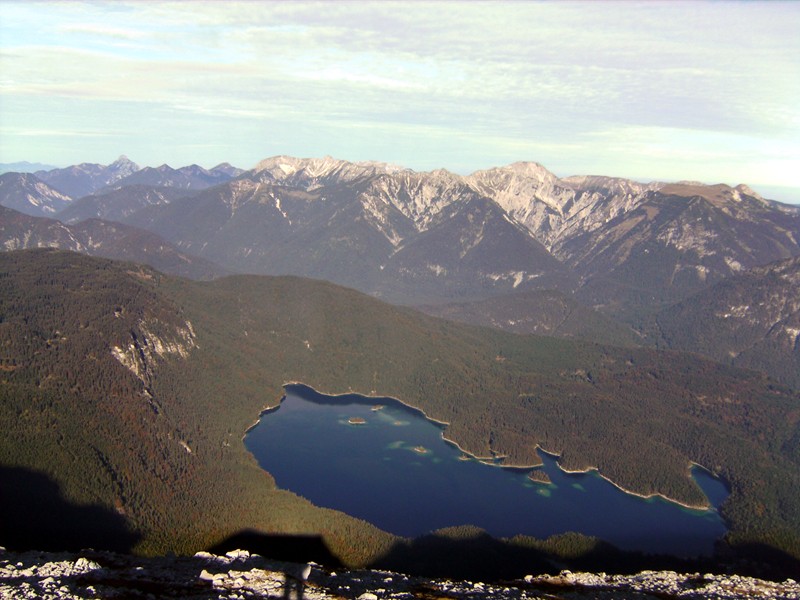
{"x": 705, "y": 91}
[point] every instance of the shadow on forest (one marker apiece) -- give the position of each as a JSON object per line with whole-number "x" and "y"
{"x": 477, "y": 556}
{"x": 34, "y": 515}
{"x": 760, "y": 560}
{"x": 289, "y": 548}
{"x": 472, "y": 554}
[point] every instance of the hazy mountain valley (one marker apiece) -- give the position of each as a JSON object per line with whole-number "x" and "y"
{"x": 633, "y": 328}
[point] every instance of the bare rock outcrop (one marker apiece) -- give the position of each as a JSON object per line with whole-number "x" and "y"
{"x": 239, "y": 574}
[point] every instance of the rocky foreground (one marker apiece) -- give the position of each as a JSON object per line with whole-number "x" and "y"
{"x": 240, "y": 574}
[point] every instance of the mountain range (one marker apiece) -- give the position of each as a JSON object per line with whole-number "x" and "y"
{"x": 108, "y": 239}
{"x": 24, "y": 167}
{"x": 85, "y": 178}
{"x": 618, "y": 247}
{"x": 641, "y": 279}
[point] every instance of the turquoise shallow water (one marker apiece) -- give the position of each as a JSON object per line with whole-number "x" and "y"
{"x": 377, "y": 471}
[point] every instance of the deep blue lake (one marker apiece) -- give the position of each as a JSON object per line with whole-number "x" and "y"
{"x": 395, "y": 471}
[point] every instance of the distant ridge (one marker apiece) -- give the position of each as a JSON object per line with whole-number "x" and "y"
{"x": 24, "y": 167}
{"x": 622, "y": 247}
{"x": 386, "y": 230}
{"x": 96, "y": 237}
{"x": 192, "y": 177}
{"x": 79, "y": 180}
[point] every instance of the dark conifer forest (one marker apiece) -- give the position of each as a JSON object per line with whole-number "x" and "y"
{"x": 126, "y": 393}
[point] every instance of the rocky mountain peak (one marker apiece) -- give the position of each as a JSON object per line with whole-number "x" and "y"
{"x": 382, "y": 166}
{"x": 195, "y": 169}
{"x": 519, "y": 171}
{"x": 289, "y": 165}
{"x": 748, "y": 191}
{"x": 420, "y": 196}
{"x": 313, "y": 172}
{"x": 86, "y": 178}
{"x": 227, "y": 169}
{"x": 610, "y": 184}
{"x": 530, "y": 169}
{"x": 122, "y": 167}
{"x": 441, "y": 173}
{"x": 283, "y": 167}
{"x": 529, "y": 193}
{"x": 124, "y": 161}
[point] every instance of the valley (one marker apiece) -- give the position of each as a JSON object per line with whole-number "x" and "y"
{"x": 648, "y": 327}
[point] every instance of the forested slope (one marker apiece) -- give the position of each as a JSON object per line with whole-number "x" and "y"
{"x": 139, "y": 440}
{"x": 132, "y": 390}
{"x": 750, "y": 320}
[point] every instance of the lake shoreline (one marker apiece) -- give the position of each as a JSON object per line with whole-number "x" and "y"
{"x": 706, "y": 507}
{"x": 300, "y": 472}
{"x": 491, "y": 460}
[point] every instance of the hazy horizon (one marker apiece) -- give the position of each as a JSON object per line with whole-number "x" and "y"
{"x": 647, "y": 91}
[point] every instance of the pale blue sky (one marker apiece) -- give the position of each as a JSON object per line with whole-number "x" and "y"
{"x": 668, "y": 91}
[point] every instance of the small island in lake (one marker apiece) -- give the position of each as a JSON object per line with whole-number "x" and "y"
{"x": 356, "y": 421}
{"x": 420, "y": 449}
{"x": 464, "y": 457}
{"x": 377, "y": 407}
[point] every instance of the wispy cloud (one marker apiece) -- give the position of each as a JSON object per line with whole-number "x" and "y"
{"x": 480, "y": 81}
{"x": 62, "y": 133}
{"x": 101, "y": 30}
